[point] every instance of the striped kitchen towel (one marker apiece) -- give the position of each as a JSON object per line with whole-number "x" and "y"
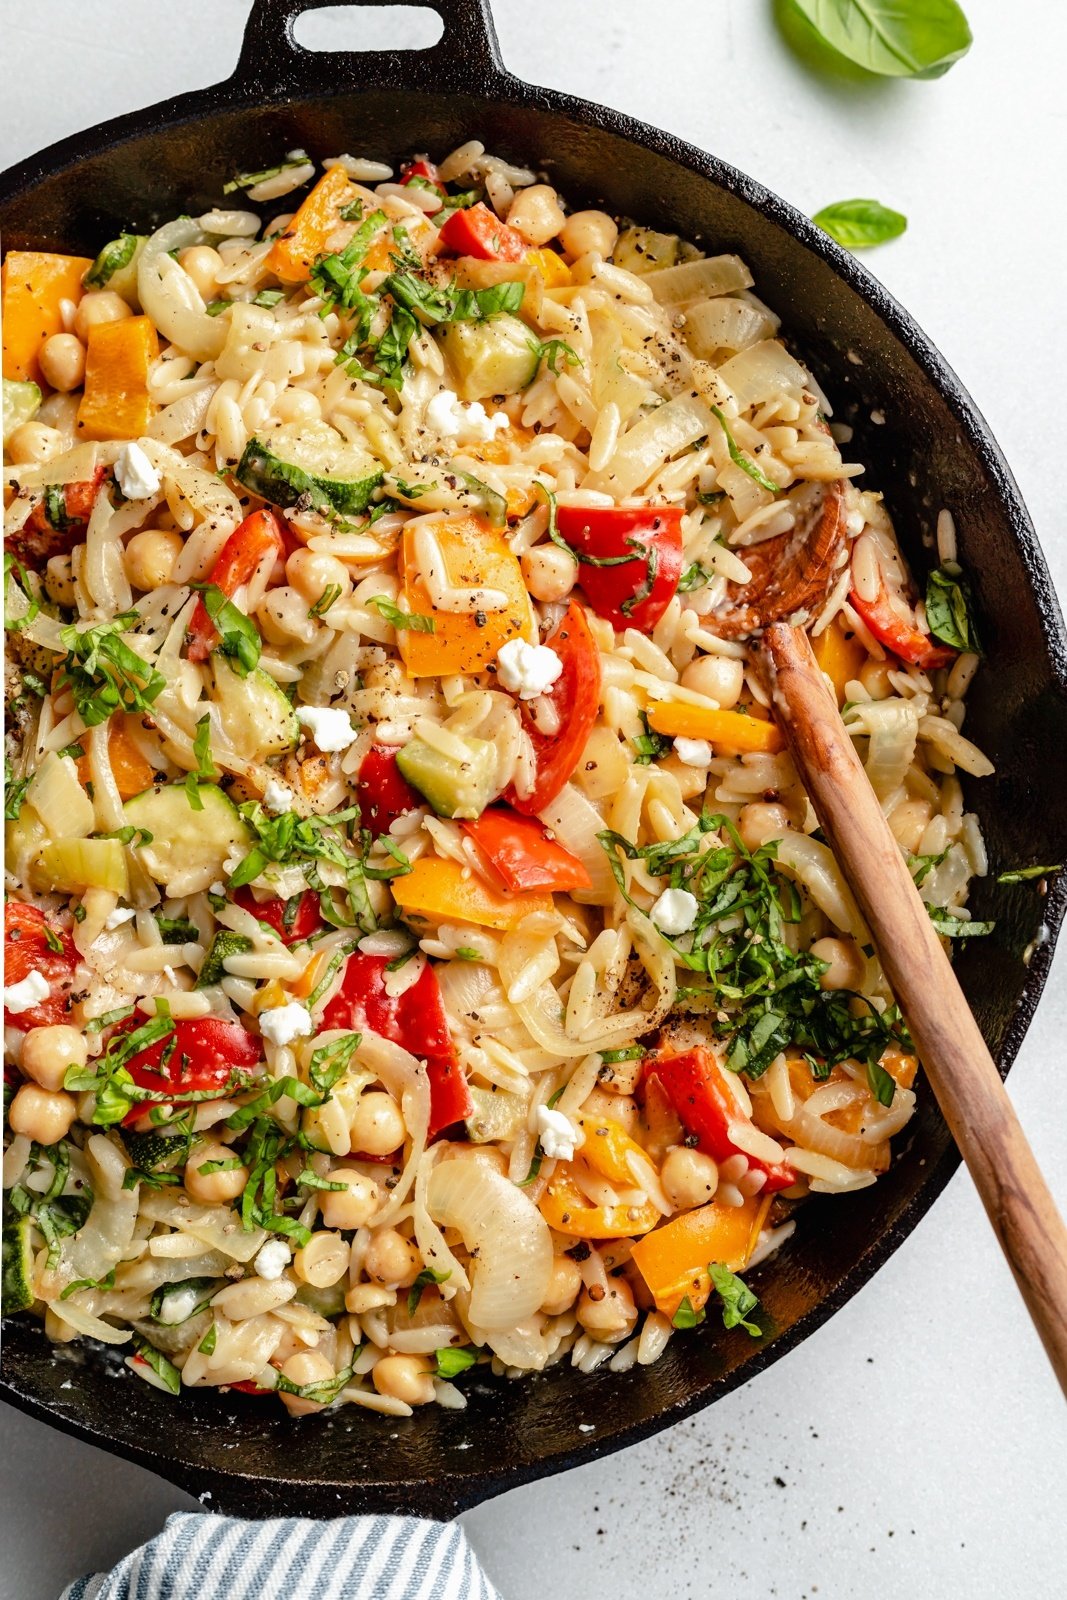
{"x": 201, "y": 1557}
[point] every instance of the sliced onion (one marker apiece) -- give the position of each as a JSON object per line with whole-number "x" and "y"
{"x": 699, "y": 280}
{"x": 892, "y": 727}
{"x": 763, "y": 371}
{"x": 813, "y": 865}
{"x": 101, "y": 1243}
{"x": 509, "y": 1240}
{"x": 170, "y": 297}
{"x": 87, "y": 1325}
{"x": 527, "y": 1346}
{"x": 57, "y": 796}
{"x": 725, "y": 324}
{"x": 643, "y": 449}
{"x": 575, "y": 821}
{"x": 184, "y": 416}
{"x": 810, "y": 1132}
{"x": 407, "y": 1081}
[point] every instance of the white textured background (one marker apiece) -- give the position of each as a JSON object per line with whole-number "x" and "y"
{"x": 916, "y": 1445}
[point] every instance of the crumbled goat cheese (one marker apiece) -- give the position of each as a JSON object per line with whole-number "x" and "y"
{"x": 329, "y": 726}
{"x": 135, "y": 474}
{"x": 447, "y": 415}
{"x": 277, "y": 796}
{"x": 559, "y": 1137}
{"x": 115, "y": 919}
{"x": 675, "y": 911}
{"x": 218, "y": 888}
{"x": 272, "y": 1260}
{"x": 283, "y": 1024}
{"x": 692, "y": 752}
{"x": 26, "y": 994}
{"x": 527, "y": 669}
{"x": 179, "y": 1306}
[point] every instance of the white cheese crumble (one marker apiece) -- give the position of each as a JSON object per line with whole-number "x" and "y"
{"x": 559, "y": 1137}
{"x": 219, "y": 888}
{"x": 178, "y": 1307}
{"x": 675, "y": 911}
{"x": 692, "y": 752}
{"x": 135, "y": 474}
{"x": 29, "y": 992}
{"x": 272, "y": 1260}
{"x": 447, "y": 415}
{"x": 283, "y": 1024}
{"x": 527, "y": 669}
{"x": 329, "y": 726}
{"x": 278, "y": 796}
{"x": 116, "y": 918}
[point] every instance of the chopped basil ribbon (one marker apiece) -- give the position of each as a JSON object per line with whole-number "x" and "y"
{"x": 425, "y": 1278}
{"x": 739, "y": 459}
{"x": 104, "y": 674}
{"x": 238, "y": 635}
{"x": 737, "y": 1299}
{"x": 451, "y": 1362}
{"x": 949, "y": 609}
{"x": 413, "y": 621}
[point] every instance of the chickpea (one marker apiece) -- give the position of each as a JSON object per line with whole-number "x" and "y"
{"x": 62, "y": 359}
{"x": 203, "y": 264}
{"x": 391, "y": 1259}
{"x": 874, "y": 676}
{"x": 589, "y": 230}
{"x": 323, "y": 1261}
{"x": 908, "y": 822}
{"x": 212, "y": 1188}
{"x": 721, "y": 678}
{"x": 536, "y": 213}
{"x": 312, "y": 573}
{"x": 760, "y": 821}
{"x": 99, "y": 305}
{"x": 352, "y": 1206}
{"x": 34, "y": 443}
{"x": 611, "y": 1318}
{"x": 307, "y": 1366}
{"x": 689, "y": 1178}
{"x": 48, "y": 1052}
{"x": 404, "y": 1378}
{"x": 563, "y": 1287}
{"x": 377, "y": 1127}
{"x": 846, "y": 963}
{"x": 42, "y": 1114}
{"x": 150, "y": 556}
{"x": 297, "y": 405}
{"x": 283, "y": 616}
{"x": 620, "y": 1108}
{"x": 549, "y": 572}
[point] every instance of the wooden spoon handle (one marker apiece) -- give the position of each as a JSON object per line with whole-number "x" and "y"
{"x": 953, "y": 1052}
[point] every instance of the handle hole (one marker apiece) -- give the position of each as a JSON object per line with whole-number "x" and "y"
{"x": 361, "y": 28}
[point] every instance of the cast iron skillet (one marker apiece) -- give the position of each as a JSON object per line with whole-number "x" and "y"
{"x": 933, "y": 450}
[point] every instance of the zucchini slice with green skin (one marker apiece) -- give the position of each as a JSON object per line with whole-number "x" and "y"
{"x": 225, "y": 943}
{"x": 22, "y": 401}
{"x": 453, "y": 788}
{"x": 155, "y": 1152}
{"x": 187, "y": 845}
{"x": 116, "y": 267}
{"x": 17, "y": 1264}
{"x": 499, "y": 356}
{"x": 256, "y": 714}
{"x": 310, "y": 464}
{"x": 497, "y": 1114}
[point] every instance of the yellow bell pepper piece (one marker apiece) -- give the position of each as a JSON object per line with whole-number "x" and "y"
{"x": 440, "y": 890}
{"x": 606, "y": 1147}
{"x": 34, "y": 284}
{"x": 553, "y": 269}
{"x": 733, "y": 730}
{"x": 305, "y": 238}
{"x": 674, "y": 1259}
{"x": 566, "y": 1209}
{"x": 475, "y": 555}
{"x": 116, "y": 403}
{"x": 839, "y": 656}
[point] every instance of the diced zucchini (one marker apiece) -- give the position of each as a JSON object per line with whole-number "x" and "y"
{"x": 643, "y": 250}
{"x": 116, "y": 267}
{"x": 499, "y": 356}
{"x": 310, "y": 462}
{"x": 256, "y": 714}
{"x": 329, "y": 1302}
{"x": 187, "y": 847}
{"x": 69, "y": 865}
{"x": 497, "y": 1114}
{"x": 155, "y": 1152}
{"x": 17, "y": 1265}
{"x": 454, "y": 788}
{"x": 21, "y": 402}
{"x": 225, "y": 943}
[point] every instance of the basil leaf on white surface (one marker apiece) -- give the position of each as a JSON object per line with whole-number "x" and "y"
{"x": 892, "y": 38}
{"x": 859, "y": 224}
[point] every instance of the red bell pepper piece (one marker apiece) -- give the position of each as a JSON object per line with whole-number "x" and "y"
{"x": 576, "y": 698}
{"x": 246, "y": 1386}
{"x": 58, "y": 523}
{"x": 383, "y": 792}
{"x": 308, "y": 918}
{"x": 478, "y": 231}
{"x": 634, "y": 592}
{"x": 523, "y": 854}
{"x": 26, "y": 949}
{"x": 414, "y": 1020}
{"x": 258, "y": 536}
{"x": 696, "y": 1087}
{"x": 423, "y": 169}
{"x": 201, "y": 1053}
{"x": 904, "y": 638}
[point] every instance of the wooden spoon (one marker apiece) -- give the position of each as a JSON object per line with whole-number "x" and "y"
{"x": 953, "y": 1053}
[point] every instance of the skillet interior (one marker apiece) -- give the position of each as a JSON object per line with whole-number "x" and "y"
{"x": 933, "y": 450}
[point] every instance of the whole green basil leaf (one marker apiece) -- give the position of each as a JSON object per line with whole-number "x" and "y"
{"x": 892, "y": 38}
{"x": 859, "y": 224}
{"x": 948, "y": 610}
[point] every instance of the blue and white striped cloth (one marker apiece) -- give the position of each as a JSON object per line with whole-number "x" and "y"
{"x": 200, "y": 1557}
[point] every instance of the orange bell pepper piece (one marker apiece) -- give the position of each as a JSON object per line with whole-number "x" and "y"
{"x": 475, "y": 555}
{"x": 444, "y": 891}
{"x": 116, "y": 403}
{"x": 674, "y": 1259}
{"x": 132, "y": 772}
{"x": 305, "y": 239}
{"x": 34, "y": 284}
{"x": 839, "y": 655}
{"x": 565, "y": 1208}
{"x": 732, "y": 730}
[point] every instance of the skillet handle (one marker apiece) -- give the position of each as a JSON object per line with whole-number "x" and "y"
{"x": 272, "y": 62}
